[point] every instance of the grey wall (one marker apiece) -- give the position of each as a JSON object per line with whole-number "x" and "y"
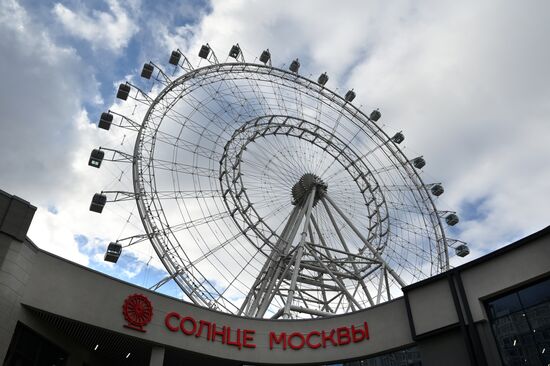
{"x": 14, "y": 275}
{"x": 434, "y": 312}
{"x": 505, "y": 272}
{"x": 78, "y": 355}
{"x": 43, "y": 281}
{"x": 446, "y": 349}
{"x": 71, "y": 291}
{"x": 16, "y": 261}
{"x": 432, "y": 307}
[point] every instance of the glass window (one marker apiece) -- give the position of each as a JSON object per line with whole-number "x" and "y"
{"x": 505, "y": 305}
{"x": 406, "y": 357}
{"x": 521, "y": 325}
{"x": 535, "y": 294}
{"x": 28, "y": 348}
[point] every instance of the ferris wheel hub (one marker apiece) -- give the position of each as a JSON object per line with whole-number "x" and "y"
{"x": 303, "y": 187}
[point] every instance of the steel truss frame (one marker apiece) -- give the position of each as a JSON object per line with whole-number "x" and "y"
{"x": 315, "y": 273}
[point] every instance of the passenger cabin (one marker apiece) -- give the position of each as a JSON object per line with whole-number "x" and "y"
{"x": 398, "y": 138}
{"x": 419, "y": 162}
{"x": 462, "y": 250}
{"x": 105, "y": 120}
{"x": 96, "y": 157}
{"x": 123, "y": 91}
{"x": 235, "y": 51}
{"x": 451, "y": 219}
{"x": 350, "y": 96}
{"x": 323, "y": 78}
{"x": 294, "y": 66}
{"x": 265, "y": 57}
{"x": 375, "y": 115}
{"x": 98, "y": 202}
{"x": 204, "y": 51}
{"x": 437, "y": 190}
{"x": 175, "y": 57}
{"x": 113, "y": 252}
{"x": 147, "y": 71}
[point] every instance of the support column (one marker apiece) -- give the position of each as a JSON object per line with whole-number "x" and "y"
{"x": 157, "y": 356}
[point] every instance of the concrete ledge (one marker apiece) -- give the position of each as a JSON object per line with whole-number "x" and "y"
{"x": 15, "y": 216}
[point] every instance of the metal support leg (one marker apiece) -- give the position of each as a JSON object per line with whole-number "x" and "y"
{"x": 365, "y": 241}
{"x": 346, "y": 248}
{"x": 338, "y": 281}
{"x": 290, "y": 297}
{"x": 273, "y": 286}
{"x": 250, "y": 305}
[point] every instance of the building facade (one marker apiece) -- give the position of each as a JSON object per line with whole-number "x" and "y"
{"x": 494, "y": 310}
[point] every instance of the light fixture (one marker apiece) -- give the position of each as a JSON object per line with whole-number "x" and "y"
{"x": 96, "y": 347}
{"x": 128, "y": 355}
{"x": 515, "y": 340}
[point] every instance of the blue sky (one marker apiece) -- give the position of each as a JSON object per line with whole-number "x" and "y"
{"x": 468, "y": 83}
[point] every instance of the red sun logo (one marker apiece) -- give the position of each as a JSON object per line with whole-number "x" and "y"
{"x": 138, "y": 311}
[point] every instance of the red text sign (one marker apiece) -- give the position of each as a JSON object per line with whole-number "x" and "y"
{"x": 240, "y": 338}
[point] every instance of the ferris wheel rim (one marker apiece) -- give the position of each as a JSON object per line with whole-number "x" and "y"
{"x": 141, "y": 193}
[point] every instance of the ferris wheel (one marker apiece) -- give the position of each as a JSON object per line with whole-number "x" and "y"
{"x": 266, "y": 194}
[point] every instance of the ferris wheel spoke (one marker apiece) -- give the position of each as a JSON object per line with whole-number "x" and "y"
{"x": 168, "y": 195}
{"x": 183, "y": 168}
{"x": 404, "y": 208}
{"x": 290, "y": 160}
{"x": 190, "y": 147}
{"x": 240, "y": 99}
{"x": 279, "y": 97}
{"x": 235, "y": 278}
{"x": 355, "y": 161}
{"x": 256, "y": 87}
{"x": 199, "y": 221}
{"x": 207, "y": 114}
{"x": 237, "y": 92}
{"x": 188, "y": 122}
{"x": 273, "y": 162}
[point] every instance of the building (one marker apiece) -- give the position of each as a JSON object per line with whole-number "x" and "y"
{"x": 494, "y": 310}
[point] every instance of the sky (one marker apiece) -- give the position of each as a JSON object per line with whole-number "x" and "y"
{"x": 467, "y": 82}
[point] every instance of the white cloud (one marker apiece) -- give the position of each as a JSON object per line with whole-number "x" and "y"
{"x": 46, "y": 138}
{"x": 468, "y": 84}
{"x": 104, "y": 30}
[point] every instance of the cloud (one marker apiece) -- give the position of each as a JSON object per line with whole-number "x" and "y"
{"x": 110, "y": 30}
{"x": 46, "y": 136}
{"x": 41, "y": 95}
{"x": 471, "y": 94}
{"x": 468, "y": 85}
{"x": 469, "y": 90}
